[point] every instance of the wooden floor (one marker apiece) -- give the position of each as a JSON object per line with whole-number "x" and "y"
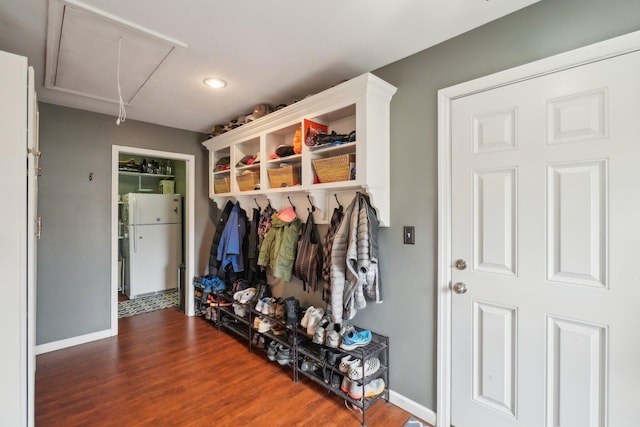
{"x": 166, "y": 369}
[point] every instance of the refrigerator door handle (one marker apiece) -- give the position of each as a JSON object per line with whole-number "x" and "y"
{"x": 135, "y": 224}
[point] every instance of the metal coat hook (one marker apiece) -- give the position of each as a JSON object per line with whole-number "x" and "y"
{"x": 313, "y": 208}
{"x": 257, "y": 204}
{"x": 90, "y": 176}
{"x": 338, "y": 201}
{"x": 294, "y": 208}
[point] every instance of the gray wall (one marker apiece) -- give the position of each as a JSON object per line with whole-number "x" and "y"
{"x": 74, "y": 256}
{"x": 408, "y": 314}
{"x": 74, "y": 283}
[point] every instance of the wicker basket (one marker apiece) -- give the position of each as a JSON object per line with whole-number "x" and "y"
{"x": 221, "y": 185}
{"x": 285, "y": 176}
{"x": 333, "y": 169}
{"x": 248, "y": 181}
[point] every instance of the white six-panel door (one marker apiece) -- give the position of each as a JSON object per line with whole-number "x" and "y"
{"x": 545, "y": 213}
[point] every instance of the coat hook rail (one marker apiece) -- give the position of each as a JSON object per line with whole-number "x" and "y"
{"x": 294, "y": 208}
{"x": 338, "y": 201}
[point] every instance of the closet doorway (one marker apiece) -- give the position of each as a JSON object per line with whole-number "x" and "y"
{"x": 188, "y": 177}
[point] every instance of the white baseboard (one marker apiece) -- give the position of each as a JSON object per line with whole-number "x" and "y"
{"x": 70, "y": 342}
{"x": 412, "y": 407}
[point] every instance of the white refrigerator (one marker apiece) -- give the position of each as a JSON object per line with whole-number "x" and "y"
{"x": 153, "y": 243}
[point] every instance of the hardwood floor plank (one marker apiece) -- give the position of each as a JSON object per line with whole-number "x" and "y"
{"x": 165, "y": 369}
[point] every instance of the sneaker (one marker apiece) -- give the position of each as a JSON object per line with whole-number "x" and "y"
{"x": 262, "y": 343}
{"x": 304, "y": 322}
{"x": 332, "y": 339}
{"x": 354, "y": 339}
{"x": 259, "y": 305}
{"x": 346, "y": 384}
{"x": 240, "y": 309}
{"x": 207, "y": 313}
{"x": 247, "y": 295}
{"x": 314, "y": 320}
{"x": 256, "y": 322}
{"x": 266, "y": 306}
{"x": 318, "y": 336}
{"x": 279, "y": 310}
{"x": 283, "y": 357}
{"x": 264, "y": 326}
{"x": 272, "y": 351}
{"x": 254, "y": 340}
{"x": 371, "y": 366}
{"x": 372, "y": 388}
{"x": 346, "y": 363}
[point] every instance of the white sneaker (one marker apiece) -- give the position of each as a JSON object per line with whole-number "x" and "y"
{"x": 247, "y": 295}
{"x": 314, "y": 320}
{"x": 346, "y": 363}
{"x": 259, "y": 305}
{"x": 305, "y": 319}
{"x": 372, "y": 388}
{"x": 266, "y": 306}
{"x": 264, "y": 325}
{"x": 371, "y": 366}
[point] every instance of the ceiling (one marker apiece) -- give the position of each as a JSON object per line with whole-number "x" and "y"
{"x": 268, "y": 52}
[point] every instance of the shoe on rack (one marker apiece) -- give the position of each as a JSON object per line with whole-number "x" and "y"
{"x": 371, "y": 366}
{"x": 334, "y": 357}
{"x": 279, "y": 310}
{"x": 332, "y": 339}
{"x": 318, "y": 336}
{"x": 266, "y": 306}
{"x": 277, "y": 329}
{"x": 272, "y": 351}
{"x": 207, "y": 313}
{"x": 264, "y": 326}
{"x": 254, "y": 340}
{"x": 283, "y": 357}
{"x": 247, "y": 295}
{"x": 240, "y": 309}
{"x": 354, "y": 339}
{"x": 314, "y": 320}
{"x": 346, "y": 384}
{"x": 259, "y": 305}
{"x": 370, "y": 389}
{"x": 336, "y": 380}
{"x": 304, "y": 322}
{"x": 262, "y": 343}
{"x": 256, "y": 322}
{"x": 346, "y": 363}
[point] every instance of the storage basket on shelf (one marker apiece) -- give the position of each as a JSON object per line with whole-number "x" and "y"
{"x": 333, "y": 169}
{"x": 284, "y": 176}
{"x": 221, "y": 185}
{"x": 248, "y": 180}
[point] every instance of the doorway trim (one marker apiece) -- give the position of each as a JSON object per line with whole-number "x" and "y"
{"x": 189, "y": 218}
{"x": 575, "y": 58}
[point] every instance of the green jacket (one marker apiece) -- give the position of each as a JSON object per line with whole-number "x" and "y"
{"x": 278, "y": 250}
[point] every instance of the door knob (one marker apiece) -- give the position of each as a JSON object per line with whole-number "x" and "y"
{"x": 461, "y": 264}
{"x": 459, "y": 288}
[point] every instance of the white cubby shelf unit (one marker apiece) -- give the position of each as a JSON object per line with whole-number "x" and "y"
{"x": 361, "y": 104}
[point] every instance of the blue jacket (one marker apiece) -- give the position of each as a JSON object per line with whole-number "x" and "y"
{"x": 230, "y": 246}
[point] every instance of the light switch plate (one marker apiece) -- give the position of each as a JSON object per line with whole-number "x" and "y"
{"x": 409, "y": 234}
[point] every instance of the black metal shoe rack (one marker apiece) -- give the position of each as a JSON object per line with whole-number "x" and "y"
{"x": 301, "y": 346}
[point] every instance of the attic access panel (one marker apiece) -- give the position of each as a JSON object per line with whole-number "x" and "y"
{"x": 82, "y": 53}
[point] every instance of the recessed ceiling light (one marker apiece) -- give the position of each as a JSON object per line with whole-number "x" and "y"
{"x": 215, "y": 83}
